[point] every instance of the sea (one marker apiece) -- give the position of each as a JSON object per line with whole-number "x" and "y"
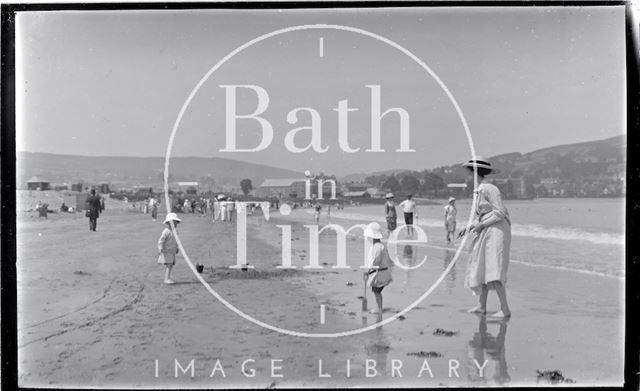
{"x": 585, "y": 235}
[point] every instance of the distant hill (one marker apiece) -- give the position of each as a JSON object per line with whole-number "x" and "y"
{"x": 142, "y": 171}
{"x": 568, "y": 161}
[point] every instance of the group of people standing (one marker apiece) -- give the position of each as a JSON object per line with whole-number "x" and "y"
{"x": 408, "y": 207}
{"x": 491, "y": 229}
{"x": 223, "y": 208}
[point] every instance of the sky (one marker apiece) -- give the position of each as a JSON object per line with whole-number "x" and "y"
{"x": 112, "y": 83}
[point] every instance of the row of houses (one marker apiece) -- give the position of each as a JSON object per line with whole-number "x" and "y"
{"x": 41, "y": 184}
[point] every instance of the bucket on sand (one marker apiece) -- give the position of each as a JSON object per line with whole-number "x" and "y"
{"x": 199, "y": 268}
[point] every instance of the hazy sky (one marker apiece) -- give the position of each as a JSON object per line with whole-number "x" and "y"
{"x": 112, "y": 83}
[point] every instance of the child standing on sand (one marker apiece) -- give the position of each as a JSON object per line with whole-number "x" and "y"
{"x": 379, "y": 264}
{"x": 168, "y": 247}
{"x": 450, "y": 213}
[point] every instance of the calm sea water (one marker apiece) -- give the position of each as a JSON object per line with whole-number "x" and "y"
{"x": 581, "y": 234}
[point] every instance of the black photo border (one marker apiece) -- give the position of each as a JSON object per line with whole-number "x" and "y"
{"x": 8, "y": 285}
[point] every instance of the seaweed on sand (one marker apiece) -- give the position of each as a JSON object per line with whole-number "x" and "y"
{"x": 444, "y": 333}
{"x": 554, "y": 377}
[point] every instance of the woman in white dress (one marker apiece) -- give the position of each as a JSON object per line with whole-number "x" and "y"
{"x": 489, "y": 261}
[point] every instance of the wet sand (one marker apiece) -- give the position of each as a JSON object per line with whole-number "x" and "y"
{"x": 93, "y": 312}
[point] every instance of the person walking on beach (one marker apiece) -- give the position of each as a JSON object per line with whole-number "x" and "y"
{"x": 93, "y": 210}
{"x": 379, "y": 275}
{"x": 408, "y": 208}
{"x": 489, "y": 261}
{"x": 390, "y": 213}
{"x": 168, "y": 247}
{"x": 450, "y": 213}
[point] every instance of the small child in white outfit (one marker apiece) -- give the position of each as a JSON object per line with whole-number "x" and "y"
{"x": 168, "y": 247}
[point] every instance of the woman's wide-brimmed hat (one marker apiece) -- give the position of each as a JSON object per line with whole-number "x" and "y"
{"x": 373, "y": 231}
{"x": 389, "y": 195}
{"x": 480, "y": 162}
{"x": 171, "y": 217}
{"x": 451, "y": 199}
{"x": 221, "y": 196}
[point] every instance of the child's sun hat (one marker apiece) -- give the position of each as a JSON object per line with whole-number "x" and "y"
{"x": 373, "y": 231}
{"x": 171, "y": 217}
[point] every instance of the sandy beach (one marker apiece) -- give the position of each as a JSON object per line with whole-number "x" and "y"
{"x": 112, "y": 323}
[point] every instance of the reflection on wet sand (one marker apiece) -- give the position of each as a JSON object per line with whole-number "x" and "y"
{"x": 377, "y": 349}
{"x": 488, "y": 352}
{"x": 450, "y": 280}
{"x": 409, "y": 259}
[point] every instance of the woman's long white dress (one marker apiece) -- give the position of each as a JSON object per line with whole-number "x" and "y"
{"x": 489, "y": 259}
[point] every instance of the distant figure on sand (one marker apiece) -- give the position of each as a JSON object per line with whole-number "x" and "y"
{"x": 153, "y": 207}
{"x": 408, "y": 208}
{"x": 316, "y": 213}
{"x": 450, "y": 213}
{"x": 379, "y": 263}
{"x": 42, "y": 209}
{"x": 223, "y": 209}
{"x": 231, "y": 206}
{"x": 168, "y": 247}
{"x": 390, "y": 213}
{"x": 489, "y": 261}
{"x": 93, "y": 210}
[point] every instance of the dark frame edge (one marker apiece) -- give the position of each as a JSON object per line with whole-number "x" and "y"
{"x": 632, "y": 237}
{"x": 8, "y": 293}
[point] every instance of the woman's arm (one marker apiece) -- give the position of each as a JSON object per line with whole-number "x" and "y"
{"x": 498, "y": 210}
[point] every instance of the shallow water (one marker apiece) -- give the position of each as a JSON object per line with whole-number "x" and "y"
{"x": 581, "y": 234}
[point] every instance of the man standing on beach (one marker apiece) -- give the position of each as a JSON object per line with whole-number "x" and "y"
{"x": 408, "y": 207}
{"x": 94, "y": 208}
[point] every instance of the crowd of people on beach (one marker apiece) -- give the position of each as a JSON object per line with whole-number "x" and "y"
{"x": 487, "y": 265}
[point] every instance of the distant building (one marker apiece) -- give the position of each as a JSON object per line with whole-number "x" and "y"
{"x": 36, "y": 183}
{"x": 618, "y": 171}
{"x": 374, "y": 192}
{"x": 281, "y": 188}
{"x": 358, "y": 186}
{"x": 352, "y": 194}
{"x": 457, "y": 189}
{"x": 188, "y": 187}
{"x": 511, "y": 187}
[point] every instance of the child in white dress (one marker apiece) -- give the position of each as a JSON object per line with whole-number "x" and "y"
{"x": 168, "y": 247}
{"x": 380, "y": 263}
